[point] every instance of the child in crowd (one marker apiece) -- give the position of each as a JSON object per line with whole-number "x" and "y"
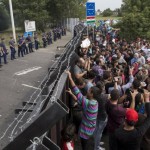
{"x": 68, "y": 137}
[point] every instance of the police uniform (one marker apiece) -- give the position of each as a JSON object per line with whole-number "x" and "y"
{"x": 55, "y": 34}
{"x": 65, "y": 31}
{"x": 0, "y": 55}
{"x": 3, "y": 51}
{"x": 44, "y": 40}
{"x": 20, "y": 47}
{"x": 12, "y": 48}
{"x": 50, "y": 33}
{"x": 29, "y": 43}
{"x": 36, "y": 42}
{"x": 24, "y": 46}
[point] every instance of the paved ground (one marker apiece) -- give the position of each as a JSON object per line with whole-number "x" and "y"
{"x": 20, "y": 78}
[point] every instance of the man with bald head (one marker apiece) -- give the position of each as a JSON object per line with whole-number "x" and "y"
{"x": 79, "y": 68}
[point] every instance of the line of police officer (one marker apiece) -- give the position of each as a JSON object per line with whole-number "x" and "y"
{"x": 22, "y": 47}
{"x": 53, "y": 35}
{"x": 22, "y": 42}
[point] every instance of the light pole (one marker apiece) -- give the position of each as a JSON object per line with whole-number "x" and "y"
{"x": 12, "y": 20}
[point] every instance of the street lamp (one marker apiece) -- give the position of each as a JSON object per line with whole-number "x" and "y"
{"x": 12, "y": 20}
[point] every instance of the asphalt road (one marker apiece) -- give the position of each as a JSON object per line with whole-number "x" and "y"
{"x": 20, "y": 78}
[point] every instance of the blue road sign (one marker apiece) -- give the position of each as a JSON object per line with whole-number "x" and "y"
{"x": 90, "y": 9}
{"x": 26, "y": 34}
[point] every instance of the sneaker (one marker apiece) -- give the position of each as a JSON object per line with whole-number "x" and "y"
{"x": 102, "y": 143}
{"x": 101, "y": 148}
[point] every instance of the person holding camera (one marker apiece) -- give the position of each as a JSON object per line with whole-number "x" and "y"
{"x": 118, "y": 83}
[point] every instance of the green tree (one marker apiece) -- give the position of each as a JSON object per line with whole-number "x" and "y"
{"x": 4, "y": 18}
{"x": 135, "y": 21}
{"x": 59, "y": 9}
{"x": 33, "y": 10}
{"x": 46, "y": 11}
{"x": 107, "y": 12}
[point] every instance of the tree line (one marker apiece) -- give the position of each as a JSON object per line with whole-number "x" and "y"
{"x": 43, "y": 12}
{"x": 135, "y": 20}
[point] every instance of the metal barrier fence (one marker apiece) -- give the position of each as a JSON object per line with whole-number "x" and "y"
{"x": 49, "y": 113}
{"x": 70, "y": 23}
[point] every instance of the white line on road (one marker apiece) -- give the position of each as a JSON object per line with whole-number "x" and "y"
{"x": 47, "y": 52}
{"x": 22, "y": 60}
{"x": 31, "y": 86}
{"x": 27, "y": 71}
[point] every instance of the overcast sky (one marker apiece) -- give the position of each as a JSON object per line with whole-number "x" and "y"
{"x": 103, "y": 4}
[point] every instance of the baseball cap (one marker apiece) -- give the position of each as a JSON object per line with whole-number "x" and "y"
{"x": 131, "y": 115}
{"x": 148, "y": 59}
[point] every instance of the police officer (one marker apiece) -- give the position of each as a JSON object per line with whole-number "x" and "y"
{"x": 50, "y": 33}
{"x": 36, "y": 42}
{"x": 4, "y": 50}
{"x": 24, "y": 46}
{"x": 29, "y": 43}
{"x": 12, "y": 48}
{"x": 44, "y": 39}
{"x": 48, "y": 38}
{"x": 0, "y": 55}
{"x": 20, "y": 46}
{"x": 60, "y": 32}
{"x": 55, "y": 34}
{"x": 64, "y": 31}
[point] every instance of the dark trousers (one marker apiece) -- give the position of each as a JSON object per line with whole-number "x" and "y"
{"x": 25, "y": 49}
{"x": 5, "y": 57}
{"x": 20, "y": 50}
{"x": 85, "y": 143}
{"x": 36, "y": 44}
{"x": 44, "y": 42}
{"x": 49, "y": 41}
{"x": 30, "y": 47}
{"x": 13, "y": 51}
{"x": 55, "y": 37}
{"x": 0, "y": 59}
{"x": 112, "y": 142}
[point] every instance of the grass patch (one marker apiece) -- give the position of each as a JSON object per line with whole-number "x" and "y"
{"x": 106, "y": 18}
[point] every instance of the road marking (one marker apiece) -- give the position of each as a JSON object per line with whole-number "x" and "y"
{"x": 31, "y": 86}
{"x": 47, "y": 52}
{"x": 27, "y": 71}
{"x": 22, "y": 60}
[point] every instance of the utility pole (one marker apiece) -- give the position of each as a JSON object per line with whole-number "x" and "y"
{"x": 12, "y": 20}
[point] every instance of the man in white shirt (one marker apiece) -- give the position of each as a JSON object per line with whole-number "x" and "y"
{"x": 120, "y": 58}
{"x": 141, "y": 59}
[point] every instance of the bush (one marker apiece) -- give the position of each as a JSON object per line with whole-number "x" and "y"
{"x": 4, "y": 19}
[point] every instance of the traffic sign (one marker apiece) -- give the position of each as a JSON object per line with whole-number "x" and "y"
{"x": 29, "y": 26}
{"x": 26, "y": 34}
{"x": 90, "y": 12}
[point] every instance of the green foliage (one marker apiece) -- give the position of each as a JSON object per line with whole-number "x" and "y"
{"x": 45, "y": 11}
{"x": 59, "y": 9}
{"x": 4, "y": 18}
{"x": 32, "y": 10}
{"x": 107, "y": 12}
{"x": 135, "y": 21}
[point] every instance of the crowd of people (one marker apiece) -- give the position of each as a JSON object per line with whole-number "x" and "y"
{"x": 109, "y": 89}
{"x": 25, "y": 45}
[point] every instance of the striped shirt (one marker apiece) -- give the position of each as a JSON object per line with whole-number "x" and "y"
{"x": 90, "y": 110}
